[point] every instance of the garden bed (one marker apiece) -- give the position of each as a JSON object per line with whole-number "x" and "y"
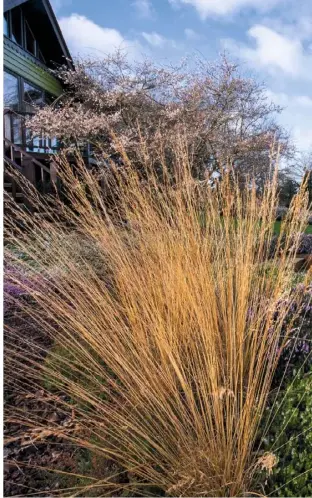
{"x": 49, "y": 465}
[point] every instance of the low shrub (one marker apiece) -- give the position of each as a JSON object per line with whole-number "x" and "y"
{"x": 296, "y": 354}
{"x": 290, "y": 437}
{"x": 281, "y": 212}
{"x": 304, "y": 246}
{"x": 287, "y": 423}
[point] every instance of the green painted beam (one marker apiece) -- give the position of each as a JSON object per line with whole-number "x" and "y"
{"x": 23, "y": 64}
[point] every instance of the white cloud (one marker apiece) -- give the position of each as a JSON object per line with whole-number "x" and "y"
{"x": 298, "y": 27}
{"x": 296, "y": 116}
{"x": 273, "y": 49}
{"x": 158, "y": 41}
{"x": 154, "y": 39}
{"x": 190, "y": 34}
{"x": 274, "y": 52}
{"x": 282, "y": 50}
{"x": 285, "y": 100}
{"x": 86, "y": 38}
{"x": 144, "y": 8}
{"x": 206, "y": 8}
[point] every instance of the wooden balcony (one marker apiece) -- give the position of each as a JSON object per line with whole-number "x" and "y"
{"x": 32, "y": 156}
{"x": 16, "y": 132}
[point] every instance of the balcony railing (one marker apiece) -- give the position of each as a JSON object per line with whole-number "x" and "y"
{"x": 15, "y": 131}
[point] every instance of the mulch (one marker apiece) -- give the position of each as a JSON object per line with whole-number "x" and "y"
{"x": 23, "y": 456}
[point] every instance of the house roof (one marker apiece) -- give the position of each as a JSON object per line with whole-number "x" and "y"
{"x": 46, "y": 29}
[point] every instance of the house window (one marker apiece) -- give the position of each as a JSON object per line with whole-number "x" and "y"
{"x": 48, "y": 98}
{"x": 16, "y": 27}
{"x": 30, "y": 42}
{"x": 17, "y": 130}
{"x": 6, "y": 24}
{"x": 32, "y": 95}
{"x": 40, "y": 56}
{"x": 10, "y": 91}
{"x": 16, "y": 22}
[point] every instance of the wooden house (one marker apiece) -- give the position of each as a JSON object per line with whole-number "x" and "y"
{"x": 33, "y": 45}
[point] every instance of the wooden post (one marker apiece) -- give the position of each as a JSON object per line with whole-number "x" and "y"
{"x": 29, "y": 170}
{"x": 30, "y": 173}
{"x": 53, "y": 172}
{"x": 13, "y": 183}
{"x": 43, "y": 180}
{"x": 55, "y": 181}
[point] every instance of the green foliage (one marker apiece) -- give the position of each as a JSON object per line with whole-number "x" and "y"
{"x": 21, "y": 256}
{"x": 288, "y": 187}
{"x": 290, "y": 438}
{"x": 277, "y": 228}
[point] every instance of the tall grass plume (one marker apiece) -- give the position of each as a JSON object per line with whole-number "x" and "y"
{"x": 164, "y": 310}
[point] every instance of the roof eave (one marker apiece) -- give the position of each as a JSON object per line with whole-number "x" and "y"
{"x": 58, "y": 33}
{"x": 11, "y": 4}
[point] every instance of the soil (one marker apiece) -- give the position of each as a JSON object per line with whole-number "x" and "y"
{"x": 42, "y": 465}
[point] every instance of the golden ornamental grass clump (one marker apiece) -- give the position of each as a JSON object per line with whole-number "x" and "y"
{"x": 161, "y": 308}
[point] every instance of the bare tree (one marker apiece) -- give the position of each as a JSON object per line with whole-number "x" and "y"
{"x": 226, "y": 118}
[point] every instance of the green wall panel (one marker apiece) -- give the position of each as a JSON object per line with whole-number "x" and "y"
{"x": 20, "y": 62}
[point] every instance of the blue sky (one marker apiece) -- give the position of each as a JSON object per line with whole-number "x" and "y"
{"x": 271, "y": 38}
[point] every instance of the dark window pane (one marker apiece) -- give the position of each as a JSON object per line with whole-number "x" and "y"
{"x": 5, "y": 24}
{"x": 30, "y": 40}
{"x": 32, "y": 95}
{"x": 40, "y": 56}
{"x": 16, "y": 25}
{"x": 10, "y": 91}
{"x": 49, "y": 99}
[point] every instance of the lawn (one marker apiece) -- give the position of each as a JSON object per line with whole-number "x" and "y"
{"x": 277, "y": 227}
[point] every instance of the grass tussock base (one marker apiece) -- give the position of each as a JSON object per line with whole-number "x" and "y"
{"x": 166, "y": 321}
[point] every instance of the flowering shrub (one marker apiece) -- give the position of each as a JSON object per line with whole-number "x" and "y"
{"x": 16, "y": 281}
{"x": 299, "y": 345}
{"x": 19, "y": 284}
{"x": 305, "y": 244}
{"x": 112, "y": 102}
